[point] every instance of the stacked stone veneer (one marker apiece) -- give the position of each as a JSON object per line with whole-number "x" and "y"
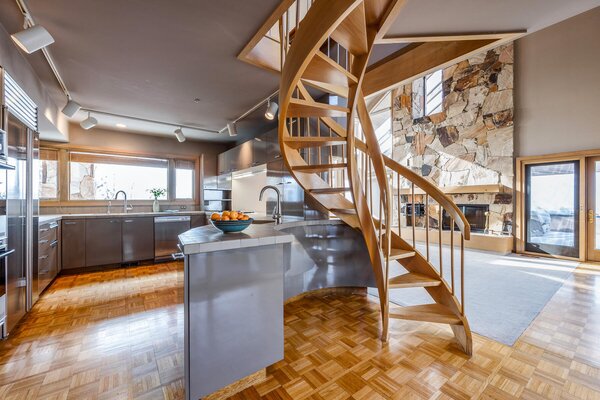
{"x": 471, "y": 141}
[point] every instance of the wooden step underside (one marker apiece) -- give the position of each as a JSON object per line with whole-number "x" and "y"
{"x": 436, "y": 313}
{"x": 412, "y": 279}
{"x": 323, "y": 69}
{"x": 305, "y": 108}
{"x": 343, "y": 211}
{"x": 318, "y": 167}
{"x": 330, "y": 190}
{"x": 314, "y": 141}
{"x": 351, "y": 34}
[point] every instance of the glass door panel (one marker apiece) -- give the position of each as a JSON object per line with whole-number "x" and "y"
{"x": 552, "y": 208}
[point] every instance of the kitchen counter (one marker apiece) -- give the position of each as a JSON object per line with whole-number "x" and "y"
{"x": 57, "y": 217}
{"x": 235, "y": 286}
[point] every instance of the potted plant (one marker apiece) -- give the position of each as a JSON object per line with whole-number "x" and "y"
{"x": 156, "y": 193}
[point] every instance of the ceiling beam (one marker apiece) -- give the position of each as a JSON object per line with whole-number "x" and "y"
{"x": 453, "y": 37}
{"x": 419, "y": 59}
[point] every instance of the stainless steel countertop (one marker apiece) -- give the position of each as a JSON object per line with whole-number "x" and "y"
{"x": 208, "y": 238}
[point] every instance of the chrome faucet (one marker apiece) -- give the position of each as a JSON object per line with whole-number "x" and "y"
{"x": 126, "y": 207}
{"x": 277, "y": 209}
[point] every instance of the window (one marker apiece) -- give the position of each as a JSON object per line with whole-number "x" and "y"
{"x": 100, "y": 176}
{"x": 184, "y": 179}
{"x": 427, "y": 95}
{"x": 48, "y": 184}
{"x": 381, "y": 115}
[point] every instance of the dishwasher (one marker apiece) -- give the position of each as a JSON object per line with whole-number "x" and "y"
{"x": 166, "y": 232}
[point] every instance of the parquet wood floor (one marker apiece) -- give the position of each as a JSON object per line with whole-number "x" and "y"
{"x": 118, "y": 335}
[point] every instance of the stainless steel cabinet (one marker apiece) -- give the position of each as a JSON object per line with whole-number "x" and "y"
{"x": 103, "y": 244}
{"x": 48, "y": 254}
{"x": 138, "y": 239}
{"x": 73, "y": 243}
{"x": 259, "y": 151}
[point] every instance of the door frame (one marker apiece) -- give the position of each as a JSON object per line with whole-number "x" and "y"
{"x": 520, "y": 202}
{"x": 593, "y": 254}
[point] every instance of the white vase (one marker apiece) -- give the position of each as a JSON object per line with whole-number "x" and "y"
{"x": 155, "y": 206}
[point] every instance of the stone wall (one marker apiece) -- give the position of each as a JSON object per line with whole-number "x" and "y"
{"x": 471, "y": 141}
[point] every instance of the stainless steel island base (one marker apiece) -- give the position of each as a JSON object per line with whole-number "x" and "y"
{"x": 233, "y": 315}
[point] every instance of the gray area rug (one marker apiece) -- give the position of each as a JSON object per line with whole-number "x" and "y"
{"x": 503, "y": 293}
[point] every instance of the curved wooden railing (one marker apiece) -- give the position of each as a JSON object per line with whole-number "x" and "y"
{"x": 343, "y": 168}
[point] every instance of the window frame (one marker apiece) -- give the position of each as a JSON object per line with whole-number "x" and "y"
{"x": 423, "y": 91}
{"x": 64, "y": 176}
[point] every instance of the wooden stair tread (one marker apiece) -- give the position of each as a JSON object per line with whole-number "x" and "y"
{"x": 323, "y": 69}
{"x": 318, "y": 167}
{"x": 397, "y": 254}
{"x": 313, "y": 141}
{"x": 412, "y": 279}
{"x": 330, "y": 190}
{"x": 305, "y": 108}
{"x": 352, "y": 32}
{"x": 338, "y": 90}
{"x": 426, "y": 312}
{"x": 343, "y": 210}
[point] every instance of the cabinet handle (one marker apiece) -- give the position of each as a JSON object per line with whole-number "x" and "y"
{"x": 127, "y": 221}
{"x": 43, "y": 241}
{"x": 53, "y": 225}
{"x": 70, "y": 223}
{"x": 114, "y": 221}
{"x": 43, "y": 257}
{"x": 44, "y": 229}
{"x": 54, "y": 244}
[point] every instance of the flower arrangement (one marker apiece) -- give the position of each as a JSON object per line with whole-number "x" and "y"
{"x": 157, "y": 192}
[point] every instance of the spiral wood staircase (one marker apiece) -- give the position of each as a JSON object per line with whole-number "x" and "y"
{"x": 330, "y": 146}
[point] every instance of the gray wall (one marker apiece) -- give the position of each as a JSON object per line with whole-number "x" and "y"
{"x": 99, "y": 138}
{"x": 557, "y": 88}
{"x": 52, "y": 123}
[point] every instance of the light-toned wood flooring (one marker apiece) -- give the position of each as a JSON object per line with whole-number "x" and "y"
{"x": 118, "y": 335}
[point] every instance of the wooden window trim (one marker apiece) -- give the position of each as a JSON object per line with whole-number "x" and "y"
{"x": 519, "y": 221}
{"x": 64, "y": 151}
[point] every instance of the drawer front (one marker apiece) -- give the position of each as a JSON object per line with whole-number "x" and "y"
{"x": 48, "y": 232}
{"x": 48, "y": 265}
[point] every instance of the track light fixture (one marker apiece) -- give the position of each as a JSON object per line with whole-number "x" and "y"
{"x": 71, "y": 108}
{"x": 232, "y": 129}
{"x": 89, "y": 122}
{"x": 32, "y": 39}
{"x": 179, "y": 135}
{"x": 272, "y": 108}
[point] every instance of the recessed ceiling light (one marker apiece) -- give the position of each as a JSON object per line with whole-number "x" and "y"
{"x": 196, "y": 100}
{"x": 121, "y": 126}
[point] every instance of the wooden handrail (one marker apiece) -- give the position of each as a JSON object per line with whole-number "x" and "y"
{"x": 433, "y": 191}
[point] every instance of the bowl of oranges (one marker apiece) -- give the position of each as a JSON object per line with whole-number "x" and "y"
{"x": 230, "y": 221}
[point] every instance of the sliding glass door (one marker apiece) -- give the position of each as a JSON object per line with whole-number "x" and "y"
{"x": 593, "y": 209}
{"x": 552, "y": 208}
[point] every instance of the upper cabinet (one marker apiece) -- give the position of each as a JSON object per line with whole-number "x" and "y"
{"x": 249, "y": 154}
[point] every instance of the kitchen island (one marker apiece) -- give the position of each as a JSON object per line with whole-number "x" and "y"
{"x": 236, "y": 286}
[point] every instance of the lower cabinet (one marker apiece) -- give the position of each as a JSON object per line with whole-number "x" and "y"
{"x": 138, "y": 239}
{"x": 73, "y": 243}
{"x": 103, "y": 244}
{"x": 48, "y": 255}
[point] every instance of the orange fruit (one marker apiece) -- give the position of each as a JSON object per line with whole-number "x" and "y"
{"x": 225, "y": 218}
{"x": 245, "y": 218}
{"x": 234, "y": 219}
{"x": 215, "y": 216}
{"x": 233, "y": 214}
{"x": 226, "y": 213}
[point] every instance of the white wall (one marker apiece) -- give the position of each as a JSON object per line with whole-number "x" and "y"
{"x": 557, "y": 87}
{"x": 245, "y": 192}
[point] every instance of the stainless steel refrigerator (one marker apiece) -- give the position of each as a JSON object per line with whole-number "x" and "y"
{"x": 22, "y": 208}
